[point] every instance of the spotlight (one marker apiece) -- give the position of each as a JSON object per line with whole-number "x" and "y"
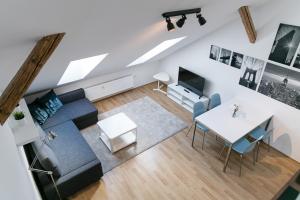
{"x": 201, "y": 20}
{"x": 181, "y": 21}
{"x": 170, "y": 25}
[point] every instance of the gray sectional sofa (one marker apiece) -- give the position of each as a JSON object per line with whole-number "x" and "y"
{"x": 78, "y": 164}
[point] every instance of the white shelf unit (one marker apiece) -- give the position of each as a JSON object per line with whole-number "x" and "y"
{"x": 186, "y": 99}
{"x": 27, "y": 131}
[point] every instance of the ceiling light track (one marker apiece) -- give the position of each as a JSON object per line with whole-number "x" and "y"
{"x": 181, "y": 12}
{"x": 181, "y": 21}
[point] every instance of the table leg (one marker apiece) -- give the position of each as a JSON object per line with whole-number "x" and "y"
{"x": 227, "y": 158}
{"x": 159, "y": 86}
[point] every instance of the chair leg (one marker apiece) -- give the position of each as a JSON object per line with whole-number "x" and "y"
{"x": 203, "y": 141}
{"x": 194, "y": 136}
{"x": 221, "y": 152}
{"x": 269, "y": 144}
{"x": 254, "y": 155}
{"x": 257, "y": 151}
{"x": 241, "y": 163}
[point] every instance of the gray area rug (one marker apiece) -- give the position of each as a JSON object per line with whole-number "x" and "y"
{"x": 155, "y": 124}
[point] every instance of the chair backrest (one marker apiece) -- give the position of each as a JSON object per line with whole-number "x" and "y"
{"x": 198, "y": 109}
{"x": 267, "y": 131}
{"x": 253, "y": 144}
{"x": 215, "y": 100}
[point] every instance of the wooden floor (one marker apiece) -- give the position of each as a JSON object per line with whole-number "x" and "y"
{"x": 174, "y": 170}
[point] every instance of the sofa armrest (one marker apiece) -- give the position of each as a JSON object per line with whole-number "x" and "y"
{"x": 75, "y": 180}
{"x": 72, "y": 96}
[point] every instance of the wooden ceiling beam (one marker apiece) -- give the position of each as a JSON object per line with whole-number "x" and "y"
{"x": 27, "y": 73}
{"x": 248, "y": 23}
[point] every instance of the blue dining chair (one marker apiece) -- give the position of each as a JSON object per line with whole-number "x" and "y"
{"x": 265, "y": 133}
{"x": 242, "y": 147}
{"x": 199, "y": 109}
{"x": 215, "y": 100}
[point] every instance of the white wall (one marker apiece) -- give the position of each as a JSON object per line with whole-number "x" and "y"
{"x": 224, "y": 79}
{"x": 15, "y": 183}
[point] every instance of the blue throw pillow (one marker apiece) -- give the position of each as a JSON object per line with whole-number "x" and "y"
{"x": 51, "y": 103}
{"x": 37, "y": 112}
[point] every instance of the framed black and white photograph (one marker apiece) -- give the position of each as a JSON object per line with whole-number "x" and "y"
{"x": 237, "y": 60}
{"x": 285, "y": 44}
{"x": 214, "y": 52}
{"x": 297, "y": 61}
{"x": 281, "y": 84}
{"x": 251, "y": 72}
{"x": 225, "y": 56}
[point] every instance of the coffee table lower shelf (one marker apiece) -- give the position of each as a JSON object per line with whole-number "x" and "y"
{"x": 120, "y": 142}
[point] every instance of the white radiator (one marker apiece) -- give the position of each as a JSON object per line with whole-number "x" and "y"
{"x": 110, "y": 88}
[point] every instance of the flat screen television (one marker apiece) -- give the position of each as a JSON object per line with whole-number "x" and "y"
{"x": 191, "y": 81}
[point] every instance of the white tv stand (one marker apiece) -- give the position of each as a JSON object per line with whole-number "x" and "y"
{"x": 186, "y": 99}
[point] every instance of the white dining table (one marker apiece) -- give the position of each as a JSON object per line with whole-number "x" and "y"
{"x": 221, "y": 122}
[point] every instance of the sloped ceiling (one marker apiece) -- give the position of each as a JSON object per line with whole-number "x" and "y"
{"x": 125, "y": 29}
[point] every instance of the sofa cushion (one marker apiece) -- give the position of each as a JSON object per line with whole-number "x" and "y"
{"x": 79, "y": 108}
{"x": 70, "y": 148}
{"x": 60, "y": 116}
{"x": 46, "y": 156}
{"x": 37, "y": 112}
{"x": 72, "y": 96}
{"x": 50, "y": 102}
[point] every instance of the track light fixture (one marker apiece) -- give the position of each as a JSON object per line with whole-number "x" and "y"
{"x": 170, "y": 25}
{"x": 201, "y": 20}
{"x": 181, "y": 21}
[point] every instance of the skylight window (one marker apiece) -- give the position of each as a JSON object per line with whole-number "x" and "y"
{"x": 156, "y": 50}
{"x": 78, "y": 69}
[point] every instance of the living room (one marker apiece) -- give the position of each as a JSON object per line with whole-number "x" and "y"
{"x": 192, "y": 100}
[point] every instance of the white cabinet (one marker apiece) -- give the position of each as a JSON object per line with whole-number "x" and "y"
{"x": 184, "y": 97}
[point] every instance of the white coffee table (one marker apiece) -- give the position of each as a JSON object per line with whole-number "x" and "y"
{"x": 118, "y": 131}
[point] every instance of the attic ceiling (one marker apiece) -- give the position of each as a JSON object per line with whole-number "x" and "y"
{"x": 126, "y": 29}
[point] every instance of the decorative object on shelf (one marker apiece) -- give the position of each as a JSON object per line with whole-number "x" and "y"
{"x": 235, "y": 110}
{"x": 43, "y": 143}
{"x": 251, "y": 72}
{"x": 181, "y": 21}
{"x": 225, "y": 56}
{"x": 237, "y": 60}
{"x": 281, "y": 84}
{"x": 285, "y": 44}
{"x": 19, "y": 115}
{"x": 19, "y": 118}
{"x": 214, "y": 52}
